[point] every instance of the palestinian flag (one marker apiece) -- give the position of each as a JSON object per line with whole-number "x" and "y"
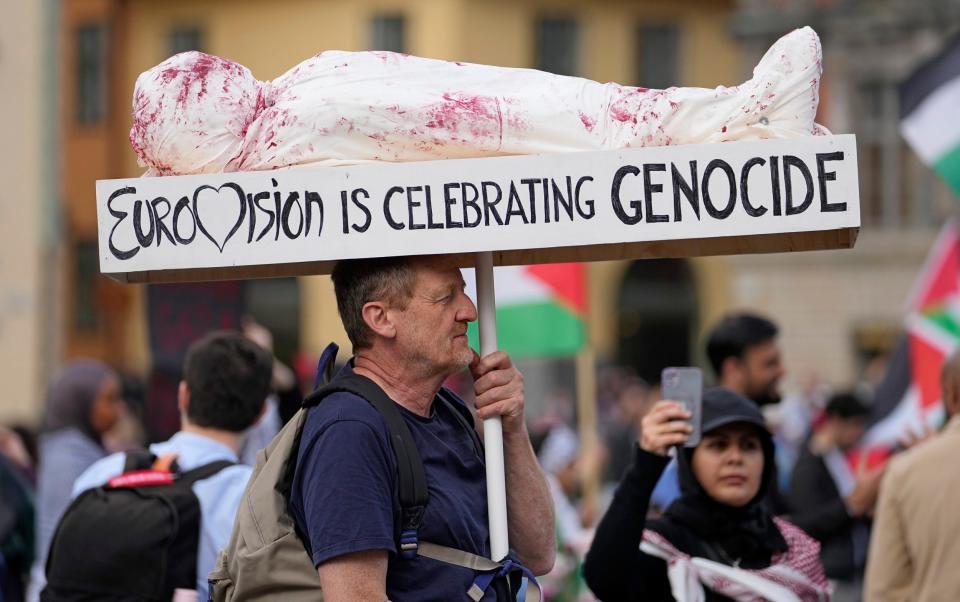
{"x": 909, "y": 396}
{"x": 540, "y": 309}
{"x": 930, "y": 113}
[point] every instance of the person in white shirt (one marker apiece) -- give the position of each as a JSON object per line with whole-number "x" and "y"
{"x": 226, "y": 380}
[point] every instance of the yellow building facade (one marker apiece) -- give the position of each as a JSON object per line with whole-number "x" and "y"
{"x": 835, "y": 308}
{"x": 24, "y": 237}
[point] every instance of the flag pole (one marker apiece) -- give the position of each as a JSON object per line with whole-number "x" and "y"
{"x": 587, "y": 423}
{"x": 492, "y": 427}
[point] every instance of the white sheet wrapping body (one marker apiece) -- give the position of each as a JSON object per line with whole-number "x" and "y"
{"x": 197, "y": 114}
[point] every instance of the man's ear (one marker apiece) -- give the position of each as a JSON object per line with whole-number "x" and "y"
{"x": 183, "y": 398}
{"x": 377, "y": 317}
{"x": 731, "y": 373}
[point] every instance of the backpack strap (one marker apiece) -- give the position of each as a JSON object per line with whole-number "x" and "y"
{"x": 411, "y": 478}
{"x": 140, "y": 459}
{"x": 487, "y": 570}
{"x": 325, "y": 365}
{"x": 140, "y": 469}
{"x": 324, "y": 375}
{"x": 463, "y": 415}
{"x": 143, "y": 459}
{"x": 203, "y": 472}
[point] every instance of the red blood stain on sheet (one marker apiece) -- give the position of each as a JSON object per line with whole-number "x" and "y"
{"x": 169, "y": 74}
{"x": 461, "y": 115}
{"x": 631, "y": 102}
{"x": 258, "y": 108}
{"x": 187, "y": 78}
{"x": 386, "y": 55}
{"x": 587, "y": 122}
{"x": 198, "y": 72}
{"x": 621, "y": 114}
{"x": 143, "y": 117}
{"x": 346, "y": 123}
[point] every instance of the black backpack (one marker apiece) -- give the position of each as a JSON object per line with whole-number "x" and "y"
{"x": 134, "y": 539}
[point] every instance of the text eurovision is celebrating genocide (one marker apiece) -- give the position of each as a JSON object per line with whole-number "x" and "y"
{"x": 523, "y": 202}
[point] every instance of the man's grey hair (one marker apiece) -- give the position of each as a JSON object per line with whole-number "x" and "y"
{"x": 357, "y": 282}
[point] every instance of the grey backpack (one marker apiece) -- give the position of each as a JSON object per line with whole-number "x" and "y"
{"x": 267, "y": 560}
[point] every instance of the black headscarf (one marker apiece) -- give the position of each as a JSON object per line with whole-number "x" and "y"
{"x": 747, "y": 533}
{"x": 71, "y": 396}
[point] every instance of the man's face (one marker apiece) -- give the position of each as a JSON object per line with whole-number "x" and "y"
{"x": 432, "y": 329}
{"x": 762, "y": 370}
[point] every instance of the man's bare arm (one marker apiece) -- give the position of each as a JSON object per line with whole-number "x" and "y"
{"x": 356, "y": 577}
{"x": 529, "y": 505}
{"x": 499, "y": 392}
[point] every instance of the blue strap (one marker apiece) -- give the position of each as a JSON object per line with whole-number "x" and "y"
{"x": 483, "y": 581}
{"x": 409, "y": 544}
{"x": 325, "y": 365}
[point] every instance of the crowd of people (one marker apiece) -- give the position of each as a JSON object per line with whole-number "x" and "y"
{"x": 376, "y": 488}
{"x": 820, "y": 493}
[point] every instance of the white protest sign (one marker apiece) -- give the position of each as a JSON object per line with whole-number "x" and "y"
{"x": 665, "y": 201}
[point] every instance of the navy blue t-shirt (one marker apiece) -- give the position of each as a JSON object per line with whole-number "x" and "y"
{"x": 345, "y": 499}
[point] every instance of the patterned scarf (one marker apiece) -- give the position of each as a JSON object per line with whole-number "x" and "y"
{"x": 795, "y": 575}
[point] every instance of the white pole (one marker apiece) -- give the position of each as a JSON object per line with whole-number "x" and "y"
{"x": 492, "y": 428}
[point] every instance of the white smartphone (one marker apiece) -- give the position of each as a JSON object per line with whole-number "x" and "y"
{"x": 685, "y": 385}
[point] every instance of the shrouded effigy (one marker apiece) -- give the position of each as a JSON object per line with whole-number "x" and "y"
{"x": 196, "y": 113}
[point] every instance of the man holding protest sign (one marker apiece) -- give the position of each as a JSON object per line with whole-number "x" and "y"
{"x": 407, "y": 319}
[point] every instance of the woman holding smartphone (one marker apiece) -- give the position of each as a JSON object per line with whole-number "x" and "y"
{"x": 717, "y": 541}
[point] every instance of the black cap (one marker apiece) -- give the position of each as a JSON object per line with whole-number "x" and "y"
{"x": 723, "y": 406}
{"x": 720, "y": 408}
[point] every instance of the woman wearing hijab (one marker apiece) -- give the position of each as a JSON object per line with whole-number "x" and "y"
{"x": 83, "y": 402}
{"x": 718, "y": 539}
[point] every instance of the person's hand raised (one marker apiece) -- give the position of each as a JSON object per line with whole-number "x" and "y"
{"x": 915, "y": 437}
{"x": 663, "y": 427}
{"x": 866, "y": 489}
